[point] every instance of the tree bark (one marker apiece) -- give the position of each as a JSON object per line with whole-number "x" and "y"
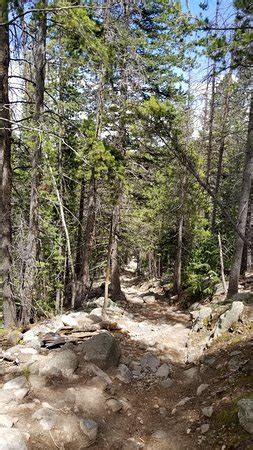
{"x": 243, "y": 208}
{"x": 177, "y": 282}
{"x": 222, "y": 265}
{"x": 221, "y": 153}
{"x": 9, "y": 308}
{"x": 27, "y": 294}
{"x": 116, "y": 292}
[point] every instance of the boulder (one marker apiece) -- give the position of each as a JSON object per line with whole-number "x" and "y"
{"x": 12, "y": 440}
{"x": 69, "y": 321}
{"x": 103, "y": 350}
{"x": 229, "y": 318}
{"x": 16, "y": 383}
{"x": 62, "y": 363}
{"x": 245, "y": 414}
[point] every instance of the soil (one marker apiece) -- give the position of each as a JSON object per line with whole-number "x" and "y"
{"x": 226, "y": 367}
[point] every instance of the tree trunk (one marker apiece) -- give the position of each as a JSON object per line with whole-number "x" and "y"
{"x": 79, "y": 237}
{"x": 116, "y": 292}
{"x": 221, "y": 153}
{"x": 9, "y": 308}
{"x": 27, "y": 295}
{"x": 222, "y": 265}
{"x": 177, "y": 278}
{"x": 243, "y": 208}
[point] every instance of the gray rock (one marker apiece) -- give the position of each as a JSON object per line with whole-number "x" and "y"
{"x": 245, "y": 414}
{"x": 204, "y": 428}
{"x": 37, "y": 382}
{"x": 149, "y": 299}
{"x": 16, "y": 383}
{"x": 103, "y": 350}
{"x": 6, "y": 396}
{"x": 29, "y": 336}
{"x": 229, "y": 318}
{"x": 13, "y": 440}
{"x": 191, "y": 374}
{"x": 207, "y": 411}
{"x": 149, "y": 362}
{"x": 14, "y": 337}
{"x": 159, "y": 441}
{"x": 69, "y": 321}
{"x": 46, "y": 417}
{"x": 6, "y": 421}
{"x": 166, "y": 383}
{"x": 181, "y": 403}
{"x": 90, "y": 428}
{"x": 163, "y": 371}
{"x": 63, "y": 363}
{"x": 204, "y": 313}
{"x": 124, "y": 374}
{"x": 132, "y": 444}
{"x": 114, "y": 405}
{"x": 21, "y": 393}
{"x": 202, "y": 388}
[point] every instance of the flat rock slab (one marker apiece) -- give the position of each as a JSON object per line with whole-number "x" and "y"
{"x": 12, "y": 440}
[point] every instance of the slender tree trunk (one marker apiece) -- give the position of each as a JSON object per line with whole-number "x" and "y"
{"x": 28, "y": 294}
{"x": 243, "y": 208}
{"x": 79, "y": 237}
{"x": 9, "y": 309}
{"x": 212, "y": 107}
{"x": 116, "y": 292}
{"x": 177, "y": 277}
{"x": 177, "y": 282}
{"x": 221, "y": 153}
{"x": 222, "y": 265}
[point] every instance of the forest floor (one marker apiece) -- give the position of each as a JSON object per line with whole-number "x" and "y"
{"x": 156, "y": 413}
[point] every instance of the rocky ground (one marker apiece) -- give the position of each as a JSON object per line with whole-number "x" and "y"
{"x": 161, "y": 378}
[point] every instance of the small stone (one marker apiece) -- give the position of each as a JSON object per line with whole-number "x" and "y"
{"x": 166, "y": 383}
{"x": 204, "y": 428}
{"x": 89, "y": 428}
{"x": 202, "y": 388}
{"x": 15, "y": 383}
{"x": 207, "y": 411}
{"x": 124, "y": 374}
{"x": 191, "y": 374}
{"x": 132, "y": 444}
{"x": 6, "y": 421}
{"x": 162, "y": 411}
{"x": 149, "y": 362}
{"x": 114, "y": 405}
{"x": 163, "y": 371}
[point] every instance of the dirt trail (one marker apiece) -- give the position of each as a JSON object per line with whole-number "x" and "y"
{"x": 155, "y": 415}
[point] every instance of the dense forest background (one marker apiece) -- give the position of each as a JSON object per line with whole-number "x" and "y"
{"x": 125, "y": 132}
